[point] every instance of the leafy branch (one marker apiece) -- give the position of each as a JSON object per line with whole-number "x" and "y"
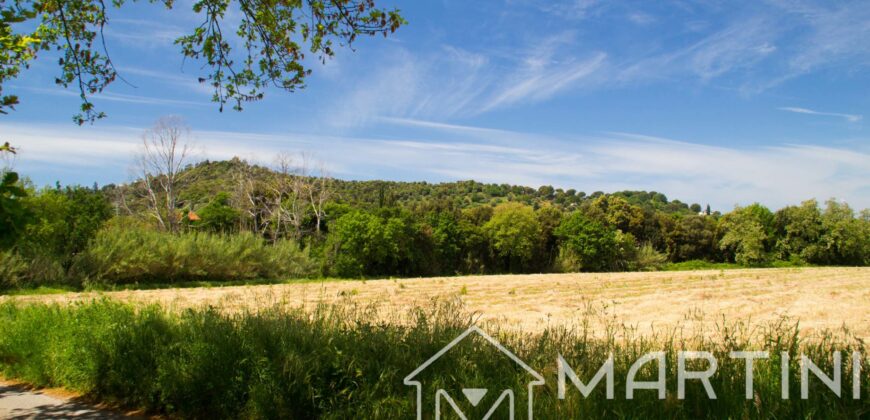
{"x": 275, "y": 35}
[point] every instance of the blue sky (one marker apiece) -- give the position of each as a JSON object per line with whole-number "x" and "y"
{"x": 716, "y": 102}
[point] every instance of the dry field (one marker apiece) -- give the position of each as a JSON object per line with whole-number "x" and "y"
{"x": 818, "y": 297}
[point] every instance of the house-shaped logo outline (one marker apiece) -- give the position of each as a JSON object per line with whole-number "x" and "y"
{"x": 409, "y": 380}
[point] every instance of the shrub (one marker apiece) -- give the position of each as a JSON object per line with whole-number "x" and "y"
{"x": 648, "y": 258}
{"x": 130, "y": 255}
{"x": 13, "y": 270}
{"x": 218, "y": 215}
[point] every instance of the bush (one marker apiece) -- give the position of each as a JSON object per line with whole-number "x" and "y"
{"x": 13, "y": 270}
{"x": 132, "y": 255}
{"x": 647, "y": 258}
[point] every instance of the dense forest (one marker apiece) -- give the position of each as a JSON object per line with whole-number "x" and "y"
{"x": 231, "y": 220}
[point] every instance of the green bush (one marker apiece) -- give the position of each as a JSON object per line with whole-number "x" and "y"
{"x": 133, "y": 255}
{"x": 342, "y": 362}
{"x": 647, "y": 258}
{"x": 13, "y": 270}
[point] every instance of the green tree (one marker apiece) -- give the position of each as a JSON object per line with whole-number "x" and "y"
{"x": 477, "y": 255}
{"x": 549, "y": 218}
{"x": 798, "y": 230}
{"x": 218, "y": 215}
{"x": 64, "y": 222}
{"x": 274, "y": 35}
{"x": 514, "y": 233}
{"x": 693, "y": 238}
{"x": 447, "y": 240}
{"x": 586, "y": 245}
{"x": 360, "y": 243}
{"x": 747, "y": 233}
{"x": 13, "y": 214}
{"x": 618, "y": 213}
{"x": 16, "y": 50}
{"x": 845, "y": 239}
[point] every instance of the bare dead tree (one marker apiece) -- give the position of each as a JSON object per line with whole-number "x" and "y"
{"x": 319, "y": 190}
{"x": 165, "y": 152}
{"x": 120, "y": 202}
{"x": 288, "y": 206}
{"x": 283, "y": 204}
{"x": 248, "y": 197}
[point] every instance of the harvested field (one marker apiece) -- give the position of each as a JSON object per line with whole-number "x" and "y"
{"x": 817, "y": 297}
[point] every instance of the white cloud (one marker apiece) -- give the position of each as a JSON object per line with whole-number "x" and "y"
{"x": 723, "y": 176}
{"x": 848, "y": 117}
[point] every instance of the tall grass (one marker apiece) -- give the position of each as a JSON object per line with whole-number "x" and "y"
{"x": 341, "y": 362}
{"x": 123, "y": 256}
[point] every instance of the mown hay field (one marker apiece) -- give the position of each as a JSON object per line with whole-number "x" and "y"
{"x": 691, "y": 301}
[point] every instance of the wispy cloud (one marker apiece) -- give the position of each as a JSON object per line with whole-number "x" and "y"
{"x": 143, "y": 33}
{"x": 188, "y": 81}
{"x": 457, "y": 82}
{"x": 641, "y": 18}
{"x": 836, "y": 31}
{"x": 848, "y": 117}
{"x": 563, "y": 9}
{"x": 738, "y": 46}
{"x": 409, "y": 122}
{"x": 116, "y": 97}
{"x": 542, "y": 75}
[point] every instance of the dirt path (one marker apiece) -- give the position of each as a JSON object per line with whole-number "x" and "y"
{"x": 17, "y": 402}
{"x": 817, "y": 297}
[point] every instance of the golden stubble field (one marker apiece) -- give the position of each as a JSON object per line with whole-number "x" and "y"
{"x": 818, "y": 298}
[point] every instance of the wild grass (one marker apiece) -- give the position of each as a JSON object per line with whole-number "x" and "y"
{"x": 343, "y": 361}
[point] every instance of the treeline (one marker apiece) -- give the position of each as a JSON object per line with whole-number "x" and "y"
{"x": 230, "y": 220}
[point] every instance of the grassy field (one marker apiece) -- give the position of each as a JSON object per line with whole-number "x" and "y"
{"x": 817, "y": 298}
